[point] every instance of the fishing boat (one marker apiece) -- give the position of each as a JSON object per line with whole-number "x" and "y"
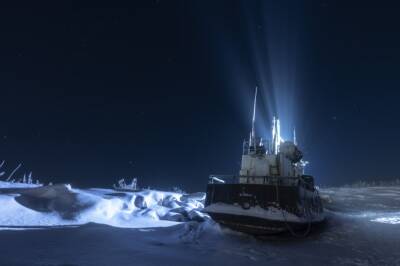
{"x": 124, "y": 187}
{"x": 271, "y": 194}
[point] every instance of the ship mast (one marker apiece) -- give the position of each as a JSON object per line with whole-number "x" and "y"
{"x": 253, "y": 133}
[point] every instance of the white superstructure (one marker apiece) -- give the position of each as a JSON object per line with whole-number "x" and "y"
{"x": 263, "y": 158}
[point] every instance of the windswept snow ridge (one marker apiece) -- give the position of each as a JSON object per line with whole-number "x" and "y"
{"x": 60, "y": 205}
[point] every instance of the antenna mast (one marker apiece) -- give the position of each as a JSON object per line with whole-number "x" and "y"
{"x": 276, "y": 135}
{"x": 253, "y": 134}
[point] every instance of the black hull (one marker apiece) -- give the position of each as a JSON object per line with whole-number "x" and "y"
{"x": 259, "y": 226}
{"x": 297, "y": 207}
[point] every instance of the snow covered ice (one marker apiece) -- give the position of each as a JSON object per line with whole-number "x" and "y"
{"x": 106, "y": 227}
{"x": 62, "y": 205}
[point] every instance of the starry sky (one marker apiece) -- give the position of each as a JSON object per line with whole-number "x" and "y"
{"x": 162, "y": 90}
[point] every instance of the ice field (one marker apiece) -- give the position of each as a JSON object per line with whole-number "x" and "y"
{"x": 60, "y": 225}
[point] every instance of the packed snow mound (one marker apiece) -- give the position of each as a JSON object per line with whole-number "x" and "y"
{"x": 60, "y": 205}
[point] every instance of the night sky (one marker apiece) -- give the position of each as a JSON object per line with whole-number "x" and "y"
{"x": 162, "y": 90}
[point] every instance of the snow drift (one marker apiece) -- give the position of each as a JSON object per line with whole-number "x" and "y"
{"x": 362, "y": 228}
{"x": 61, "y": 205}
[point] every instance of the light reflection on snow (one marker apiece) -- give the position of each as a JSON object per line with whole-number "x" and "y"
{"x": 387, "y": 220}
{"x": 19, "y": 228}
{"x": 376, "y": 217}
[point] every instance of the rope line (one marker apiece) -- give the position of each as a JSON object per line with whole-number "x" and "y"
{"x": 290, "y": 229}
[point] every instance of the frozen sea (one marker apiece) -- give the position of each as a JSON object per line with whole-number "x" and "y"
{"x": 66, "y": 226}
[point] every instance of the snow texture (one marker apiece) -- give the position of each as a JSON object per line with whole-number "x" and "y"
{"x": 167, "y": 228}
{"x": 60, "y": 205}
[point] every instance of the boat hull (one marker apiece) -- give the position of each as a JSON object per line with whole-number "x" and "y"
{"x": 264, "y": 208}
{"x": 259, "y": 226}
